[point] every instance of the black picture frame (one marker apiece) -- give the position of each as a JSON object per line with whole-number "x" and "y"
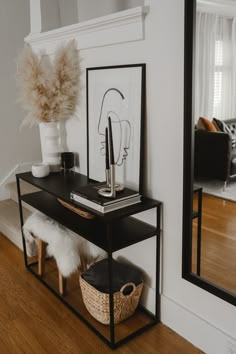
{"x": 190, "y": 13}
{"x": 124, "y": 84}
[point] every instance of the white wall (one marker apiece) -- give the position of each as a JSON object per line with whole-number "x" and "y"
{"x": 68, "y": 12}
{"x": 88, "y": 9}
{"x": 50, "y": 14}
{"x": 200, "y": 317}
{"x": 59, "y": 13}
{"x": 16, "y": 146}
{"x": 132, "y": 3}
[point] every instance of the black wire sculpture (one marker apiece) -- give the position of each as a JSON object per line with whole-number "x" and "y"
{"x": 124, "y": 126}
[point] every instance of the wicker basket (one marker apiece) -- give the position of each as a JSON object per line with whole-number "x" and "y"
{"x": 97, "y": 303}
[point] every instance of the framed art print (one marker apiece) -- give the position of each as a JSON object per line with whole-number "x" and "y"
{"x": 117, "y": 92}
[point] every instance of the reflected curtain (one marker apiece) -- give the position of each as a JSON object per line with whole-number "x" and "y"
{"x": 215, "y": 67}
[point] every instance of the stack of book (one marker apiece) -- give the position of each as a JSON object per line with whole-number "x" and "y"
{"x": 88, "y": 196}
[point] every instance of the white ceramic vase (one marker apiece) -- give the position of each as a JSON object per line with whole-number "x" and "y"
{"x": 51, "y": 145}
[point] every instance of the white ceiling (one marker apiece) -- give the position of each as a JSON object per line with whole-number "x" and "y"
{"x": 222, "y": 7}
{"x": 221, "y": 2}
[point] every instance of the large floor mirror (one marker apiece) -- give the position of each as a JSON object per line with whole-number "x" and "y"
{"x": 209, "y": 216}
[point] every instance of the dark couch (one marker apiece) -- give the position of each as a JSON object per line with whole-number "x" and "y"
{"x": 215, "y": 153}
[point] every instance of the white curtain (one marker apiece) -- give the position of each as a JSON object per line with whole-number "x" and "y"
{"x": 215, "y": 67}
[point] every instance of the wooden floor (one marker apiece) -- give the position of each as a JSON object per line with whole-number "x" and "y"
{"x": 218, "y": 251}
{"x": 32, "y": 320}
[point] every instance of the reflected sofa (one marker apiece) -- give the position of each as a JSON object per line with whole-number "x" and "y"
{"x": 215, "y": 153}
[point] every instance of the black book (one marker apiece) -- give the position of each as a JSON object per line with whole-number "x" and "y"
{"x": 88, "y": 196}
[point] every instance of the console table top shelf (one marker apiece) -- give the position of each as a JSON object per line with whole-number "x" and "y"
{"x": 126, "y": 230}
{"x": 61, "y": 186}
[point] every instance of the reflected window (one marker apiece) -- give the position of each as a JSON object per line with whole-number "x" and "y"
{"x": 214, "y": 66}
{"x": 217, "y": 99}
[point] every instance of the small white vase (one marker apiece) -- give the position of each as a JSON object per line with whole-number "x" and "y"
{"x": 51, "y": 145}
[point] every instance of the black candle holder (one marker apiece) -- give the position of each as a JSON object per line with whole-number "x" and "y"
{"x": 67, "y": 162}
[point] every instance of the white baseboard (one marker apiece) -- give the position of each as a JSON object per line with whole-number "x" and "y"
{"x": 197, "y": 330}
{"x": 10, "y": 177}
{"x": 201, "y": 333}
{"x": 148, "y": 298}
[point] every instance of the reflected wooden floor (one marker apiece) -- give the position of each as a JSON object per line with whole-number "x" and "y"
{"x": 218, "y": 251}
{"x": 33, "y": 321}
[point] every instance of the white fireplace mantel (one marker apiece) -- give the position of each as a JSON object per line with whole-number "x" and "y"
{"x": 119, "y": 27}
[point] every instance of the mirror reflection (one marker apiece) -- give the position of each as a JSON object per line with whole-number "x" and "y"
{"x": 214, "y": 196}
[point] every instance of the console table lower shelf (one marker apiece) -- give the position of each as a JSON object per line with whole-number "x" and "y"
{"x": 140, "y": 321}
{"x": 112, "y": 232}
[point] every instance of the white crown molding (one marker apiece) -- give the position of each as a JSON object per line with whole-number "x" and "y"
{"x": 224, "y": 8}
{"x": 120, "y": 27}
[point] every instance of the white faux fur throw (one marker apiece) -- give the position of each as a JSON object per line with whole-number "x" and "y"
{"x": 65, "y": 246}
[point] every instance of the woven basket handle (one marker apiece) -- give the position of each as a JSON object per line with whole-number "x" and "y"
{"x": 125, "y": 286}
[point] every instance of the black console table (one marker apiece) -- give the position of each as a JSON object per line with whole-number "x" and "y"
{"x": 111, "y": 232}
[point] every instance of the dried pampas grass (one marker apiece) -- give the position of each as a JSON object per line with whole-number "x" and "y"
{"x": 49, "y": 91}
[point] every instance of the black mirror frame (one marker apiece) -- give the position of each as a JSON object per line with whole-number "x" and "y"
{"x": 189, "y": 36}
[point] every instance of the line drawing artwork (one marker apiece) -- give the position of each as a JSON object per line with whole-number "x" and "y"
{"x": 118, "y": 93}
{"x": 121, "y": 129}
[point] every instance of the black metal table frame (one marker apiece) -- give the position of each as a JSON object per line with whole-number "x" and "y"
{"x": 155, "y": 318}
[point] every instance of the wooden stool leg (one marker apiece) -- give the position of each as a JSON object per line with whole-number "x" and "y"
{"x": 83, "y": 263}
{"x": 62, "y": 284}
{"x": 41, "y": 257}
